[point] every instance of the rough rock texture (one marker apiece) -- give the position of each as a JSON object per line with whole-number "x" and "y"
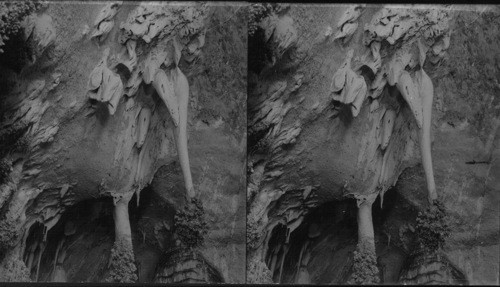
{"x": 430, "y": 270}
{"x": 338, "y": 117}
{"x": 122, "y": 265}
{"x": 183, "y": 266}
{"x": 95, "y": 128}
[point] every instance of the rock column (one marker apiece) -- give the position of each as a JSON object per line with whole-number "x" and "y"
{"x": 122, "y": 261}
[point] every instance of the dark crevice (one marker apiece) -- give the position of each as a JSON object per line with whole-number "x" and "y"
{"x": 86, "y": 224}
{"x": 328, "y": 236}
{"x": 84, "y": 235}
{"x": 259, "y": 53}
{"x": 16, "y": 53}
{"x": 257, "y": 142}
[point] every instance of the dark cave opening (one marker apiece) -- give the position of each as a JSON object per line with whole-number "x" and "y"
{"x": 16, "y": 53}
{"x": 259, "y": 53}
{"x": 278, "y": 236}
{"x": 256, "y": 141}
{"x": 320, "y": 250}
{"x": 151, "y": 220}
{"x": 70, "y": 243}
{"x": 77, "y": 248}
{"x": 33, "y": 248}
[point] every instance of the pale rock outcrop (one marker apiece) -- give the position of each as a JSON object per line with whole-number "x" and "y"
{"x": 40, "y": 32}
{"x": 104, "y": 21}
{"x": 348, "y": 24}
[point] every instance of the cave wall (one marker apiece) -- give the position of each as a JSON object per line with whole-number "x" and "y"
{"x": 307, "y": 147}
{"x": 466, "y": 144}
{"x": 80, "y": 148}
{"x": 218, "y": 142}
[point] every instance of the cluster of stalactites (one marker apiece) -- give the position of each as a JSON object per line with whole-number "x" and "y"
{"x": 169, "y": 25}
{"x": 414, "y": 30}
{"x": 404, "y": 26}
{"x": 155, "y": 37}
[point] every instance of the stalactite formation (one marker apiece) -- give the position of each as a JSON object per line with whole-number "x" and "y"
{"x": 426, "y": 91}
{"x": 174, "y": 91}
{"x": 161, "y": 66}
{"x": 302, "y": 274}
{"x": 365, "y": 270}
{"x": 367, "y": 110}
{"x": 416, "y": 89}
{"x": 365, "y": 222}
{"x": 182, "y": 92}
{"x": 399, "y": 71}
{"x": 122, "y": 261}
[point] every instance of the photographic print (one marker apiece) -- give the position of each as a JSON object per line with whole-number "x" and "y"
{"x": 249, "y": 143}
{"x": 373, "y": 144}
{"x": 122, "y": 142}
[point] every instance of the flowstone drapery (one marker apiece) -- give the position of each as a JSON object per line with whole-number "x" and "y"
{"x": 363, "y": 96}
{"x": 160, "y": 67}
{"x": 152, "y": 29}
{"x": 96, "y": 115}
{"x": 409, "y": 29}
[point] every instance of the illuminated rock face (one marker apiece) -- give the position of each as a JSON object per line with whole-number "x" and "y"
{"x": 378, "y": 109}
{"x": 105, "y": 118}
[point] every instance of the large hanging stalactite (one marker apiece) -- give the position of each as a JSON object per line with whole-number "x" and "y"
{"x": 160, "y": 68}
{"x": 182, "y": 92}
{"x": 419, "y": 94}
{"x": 426, "y": 90}
{"x": 173, "y": 88}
